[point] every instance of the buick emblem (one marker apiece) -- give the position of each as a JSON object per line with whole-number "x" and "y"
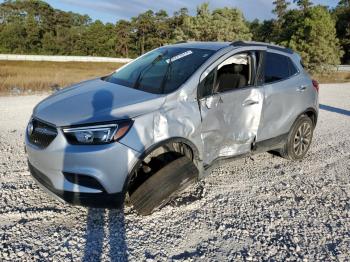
{"x": 30, "y": 128}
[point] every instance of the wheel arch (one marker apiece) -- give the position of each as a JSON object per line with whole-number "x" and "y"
{"x": 167, "y": 145}
{"x": 312, "y": 114}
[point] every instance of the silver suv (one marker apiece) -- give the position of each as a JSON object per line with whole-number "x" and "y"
{"x": 145, "y": 132}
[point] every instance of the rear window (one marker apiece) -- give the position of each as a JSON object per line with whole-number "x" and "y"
{"x": 278, "y": 67}
{"x": 161, "y": 71}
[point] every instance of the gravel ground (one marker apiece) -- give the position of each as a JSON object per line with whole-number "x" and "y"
{"x": 257, "y": 208}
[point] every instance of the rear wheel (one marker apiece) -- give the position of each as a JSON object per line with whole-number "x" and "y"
{"x": 157, "y": 190}
{"x": 299, "y": 139}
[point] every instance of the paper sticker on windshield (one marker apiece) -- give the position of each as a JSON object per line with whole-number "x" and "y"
{"x": 179, "y": 56}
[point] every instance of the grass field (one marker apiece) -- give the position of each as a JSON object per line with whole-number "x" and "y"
{"x": 335, "y": 77}
{"x": 27, "y": 77}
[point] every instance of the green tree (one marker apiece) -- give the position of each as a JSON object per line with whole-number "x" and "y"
{"x": 179, "y": 17}
{"x": 224, "y": 24}
{"x": 162, "y": 30}
{"x": 49, "y": 44}
{"x": 342, "y": 16}
{"x": 344, "y": 3}
{"x": 315, "y": 39}
{"x": 293, "y": 20}
{"x": 229, "y": 25}
{"x": 201, "y": 27}
{"x": 99, "y": 39}
{"x": 143, "y": 26}
{"x": 303, "y": 4}
{"x": 33, "y": 26}
{"x": 33, "y": 34}
{"x": 123, "y": 37}
{"x": 280, "y": 8}
{"x": 12, "y": 37}
{"x": 261, "y": 31}
{"x": 280, "y": 11}
{"x": 180, "y": 23}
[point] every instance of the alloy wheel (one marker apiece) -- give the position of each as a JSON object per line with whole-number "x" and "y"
{"x": 302, "y": 139}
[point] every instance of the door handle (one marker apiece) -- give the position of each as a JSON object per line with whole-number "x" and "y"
{"x": 250, "y": 103}
{"x": 301, "y": 88}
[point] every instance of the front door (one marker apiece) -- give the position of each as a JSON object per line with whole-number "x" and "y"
{"x": 231, "y": 104}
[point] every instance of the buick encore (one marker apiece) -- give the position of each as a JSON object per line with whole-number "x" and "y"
{"x": 143, "y": 133}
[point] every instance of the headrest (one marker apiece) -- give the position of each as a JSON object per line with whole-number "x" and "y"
{"x": 237, "y": 68}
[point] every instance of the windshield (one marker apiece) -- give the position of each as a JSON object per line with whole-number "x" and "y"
{"x": 161, "y": 71}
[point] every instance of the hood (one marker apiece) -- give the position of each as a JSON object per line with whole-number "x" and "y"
{"x": 95, "y": 101}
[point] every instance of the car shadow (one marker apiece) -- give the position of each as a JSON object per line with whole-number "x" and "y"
{"x": 335, "y": 110}
{"x": 105, "y": 228}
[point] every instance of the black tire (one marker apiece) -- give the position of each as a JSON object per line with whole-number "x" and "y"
{"x": 157, "y": 190}
{"x": 299, "y": 139}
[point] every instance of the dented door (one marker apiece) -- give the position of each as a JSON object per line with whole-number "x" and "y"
{"x": 230, "y": 122}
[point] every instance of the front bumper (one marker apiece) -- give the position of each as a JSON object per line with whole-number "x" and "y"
{"x": 109, "y": 165}
{"x": 101, "y": 200}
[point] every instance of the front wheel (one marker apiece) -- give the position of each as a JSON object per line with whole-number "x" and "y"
{"x": 157, "y": 190}
{"x": 299, "y": 139}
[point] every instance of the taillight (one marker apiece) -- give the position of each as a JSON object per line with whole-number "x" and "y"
{"x": 316, "y": 85}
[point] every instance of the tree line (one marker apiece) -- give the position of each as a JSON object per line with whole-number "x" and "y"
{"x": 321, "y": 35}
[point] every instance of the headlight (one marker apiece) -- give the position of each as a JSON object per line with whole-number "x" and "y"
{"x": 98, "y": 134}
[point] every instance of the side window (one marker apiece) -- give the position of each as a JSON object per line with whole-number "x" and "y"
{"x": 292, "y": 69}
{"x": 235, "y": 72}
{"x": 277, "y": 67}
{"x": 205, "y": 87}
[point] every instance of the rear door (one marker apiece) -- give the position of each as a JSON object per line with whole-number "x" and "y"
{"x": 284, "y": 95}
{"x": 230, "y": 118}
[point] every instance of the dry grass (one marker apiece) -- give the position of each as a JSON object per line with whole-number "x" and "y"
{"x": 334, "y": 77}
{"x": 29, "y": 77}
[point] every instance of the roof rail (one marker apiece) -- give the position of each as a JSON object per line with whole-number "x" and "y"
{"x": 271, "y": 46}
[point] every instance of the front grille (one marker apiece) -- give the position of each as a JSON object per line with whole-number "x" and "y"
{"x": 40, "y": 133}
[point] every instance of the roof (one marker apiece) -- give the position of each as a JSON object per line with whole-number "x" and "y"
{"x": 271, "y": 46}
{"x": 215, "y": 46}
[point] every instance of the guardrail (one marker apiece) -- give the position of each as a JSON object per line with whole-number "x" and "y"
{"x": 63, "y": 58}
{"x": 343, "y": 68}
{"x": 10, "y": 57}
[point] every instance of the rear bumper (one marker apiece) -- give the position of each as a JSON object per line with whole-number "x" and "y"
{"x": 102, "y": 199}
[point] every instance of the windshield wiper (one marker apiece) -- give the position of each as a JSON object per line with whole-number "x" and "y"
{"x": 165, "y": 78}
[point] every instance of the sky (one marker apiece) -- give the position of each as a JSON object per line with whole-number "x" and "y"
{"x": 113, "y": 10}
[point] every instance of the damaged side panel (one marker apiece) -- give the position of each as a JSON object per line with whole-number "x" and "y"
{"x": 218, "y": 126}
{"x": 180, "y": 117}
{"x": 230, "y": 122}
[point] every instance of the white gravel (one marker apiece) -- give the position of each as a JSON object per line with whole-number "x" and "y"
{"x": 258, "y": 208}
